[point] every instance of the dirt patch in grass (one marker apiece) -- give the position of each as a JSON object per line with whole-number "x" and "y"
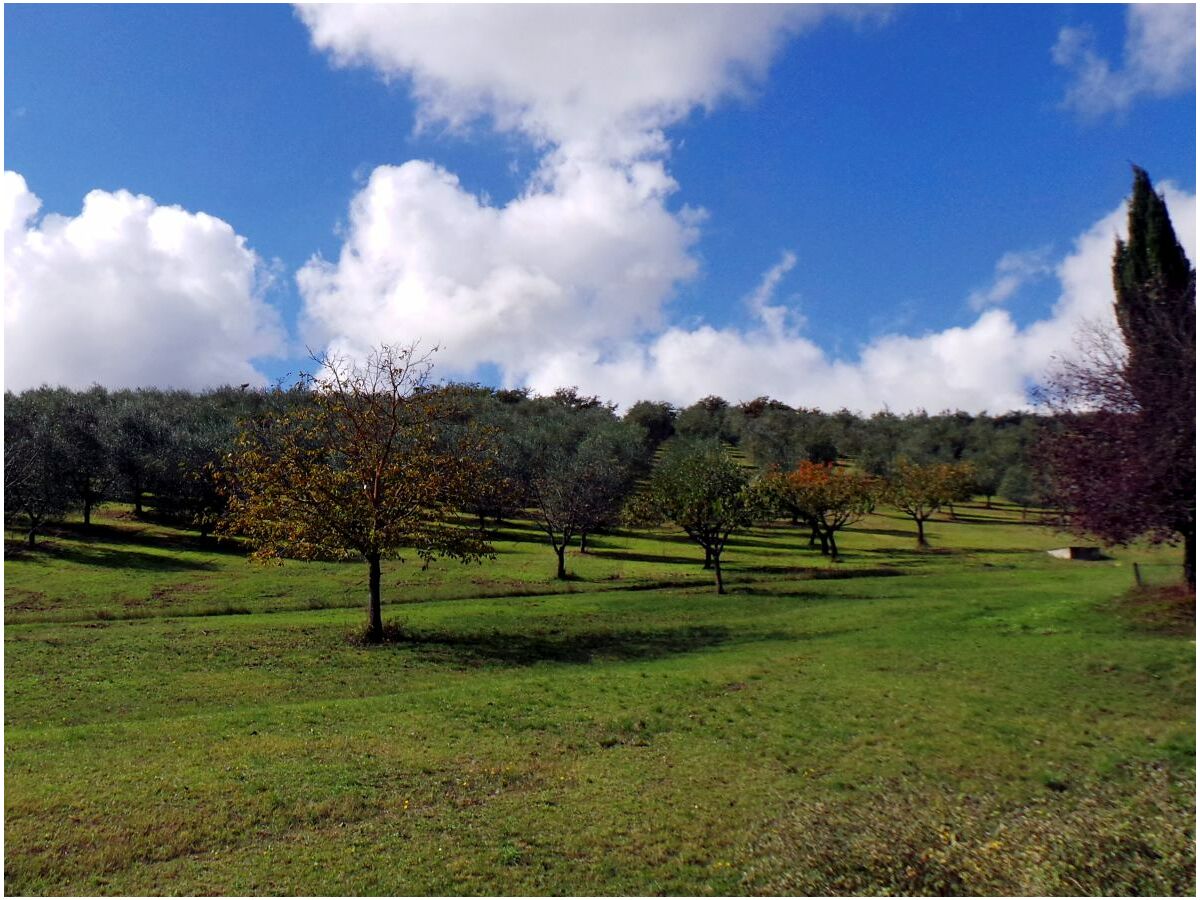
{"x": 22, "y": 600}
{"x": 1162, "y": 609}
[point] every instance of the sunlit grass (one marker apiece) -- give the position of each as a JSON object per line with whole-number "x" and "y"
{"x": 180, "y": 720}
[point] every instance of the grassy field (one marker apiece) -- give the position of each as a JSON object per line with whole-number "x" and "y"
{"x": 178, "y": 720}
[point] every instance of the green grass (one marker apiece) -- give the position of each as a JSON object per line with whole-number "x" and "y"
{"x": 181, "y": 721}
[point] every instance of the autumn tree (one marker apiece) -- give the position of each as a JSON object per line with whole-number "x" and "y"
{"x": 919, "y": 491}
{"x": 1122, "y": 458}
{"x": 703, "y": 490}
{"x": 359, "y": 470}
{"x": 830, "y": 498}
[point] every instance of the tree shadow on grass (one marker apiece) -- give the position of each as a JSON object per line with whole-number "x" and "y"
{"x": 632, "y": 556}
{"x": 817, "y": 573}
{"x": 578, "y": 647}
{"x": 104, "y": 533}
{"x": 49, "y": 550}
{"x": 782, "y": 546}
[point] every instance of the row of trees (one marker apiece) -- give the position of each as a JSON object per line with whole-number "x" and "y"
{"x": 773, "y": 434}
{"x": 70, "y": 450}
{"x": 703, "y": 490}
{"x": 363, "y": 461}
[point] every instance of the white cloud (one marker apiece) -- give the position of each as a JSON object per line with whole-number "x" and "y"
{"x": 987, "y": 365}
{"x": 1159, "y": 60}
{"x": 595, "y": 80}
{"x": 570, "y": 283}
{"x": 775, "y": 318}
{"x": 1013, "y": 271}
{"x": 590, "y": 252}
{"x": 588, "y": 258}
{"x": 129, "y": 293}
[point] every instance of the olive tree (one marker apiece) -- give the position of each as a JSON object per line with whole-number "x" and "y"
{"x": 704, "y": 491}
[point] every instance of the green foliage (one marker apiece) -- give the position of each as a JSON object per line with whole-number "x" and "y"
{"x": 701, "y": 489}
{"x": 658, "y": 420}
{"x": 578, "y": 465}
{"x": 35, "y": 490}
{"x": 709, "y": 419}
{"x": 1155, "y": 286}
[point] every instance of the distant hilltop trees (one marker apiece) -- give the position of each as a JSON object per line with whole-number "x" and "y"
{"x": 70, "y": 450}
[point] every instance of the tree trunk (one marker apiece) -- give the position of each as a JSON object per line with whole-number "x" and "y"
{"x": 375, "y": 631}
{"x": 950, "y": 508}
{"x": 32, "y": 536}
{"x": 814, "y": 536}
{"x": 137, "y": 502}
{"x": 921, "y": 542}
{"x": 717, "y": 568}
{"x": 824, "y": 542}
{"x": 561, "y": 552}
{"x": 87, "y": 510}
{"x": 1189, "y": 556}
{"x": 988, "y": 504}
{"x": 833, "y": 550}
{"x": 583, "y": 542}
{"x": 708, "y": 558}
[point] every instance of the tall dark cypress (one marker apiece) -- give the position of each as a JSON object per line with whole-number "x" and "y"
{"x": 1155, "y": 295}
{"x": 1156, "y": 308}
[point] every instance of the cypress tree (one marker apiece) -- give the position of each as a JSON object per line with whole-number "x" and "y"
{"x": 1155, "y": 295}
{"x": 1155, "y": 307}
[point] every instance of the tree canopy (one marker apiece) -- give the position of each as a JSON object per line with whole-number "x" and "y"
{"x": 359, "y": 470}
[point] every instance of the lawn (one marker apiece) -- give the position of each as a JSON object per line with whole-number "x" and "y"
{"x": 178, "y": 720}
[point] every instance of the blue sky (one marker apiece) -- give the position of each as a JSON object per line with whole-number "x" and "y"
{"x": 884, "y": 166}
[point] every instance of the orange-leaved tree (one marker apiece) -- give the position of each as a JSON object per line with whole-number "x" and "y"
{"x": 364, "y": 466}
{"x": 831, "y": 498}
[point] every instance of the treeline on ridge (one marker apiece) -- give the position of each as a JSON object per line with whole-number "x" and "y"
{"x": 70, "y": 450}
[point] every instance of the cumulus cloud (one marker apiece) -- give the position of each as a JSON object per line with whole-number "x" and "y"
{"x": 590, "y": 79}
{"x": 588, "y": 258}
{"x": 989, "y": 364}
{"x": 129, "y": 293}
{"x": 1159, "y": 60}
{"x": 571, "y": 282}
{"x": 591, "y": 251}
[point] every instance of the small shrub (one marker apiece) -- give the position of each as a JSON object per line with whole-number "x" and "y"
{"x": 1135, "y": 837}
